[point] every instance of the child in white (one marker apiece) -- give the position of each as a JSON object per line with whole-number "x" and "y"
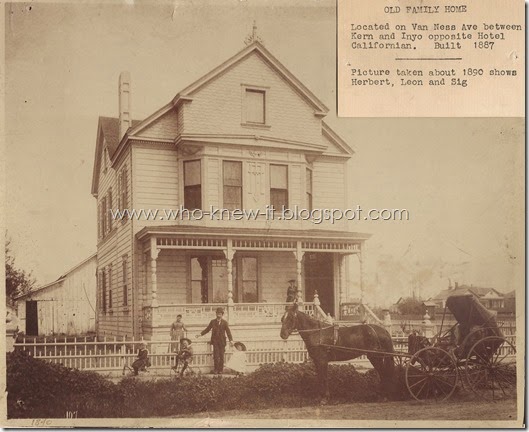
{"x": 237, "y": 361}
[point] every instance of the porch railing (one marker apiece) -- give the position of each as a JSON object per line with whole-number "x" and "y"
{"x": 238, "y": 313}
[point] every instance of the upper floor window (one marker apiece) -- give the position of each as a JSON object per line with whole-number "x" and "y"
{"x": 110, "y": 287}
{"x": 103, "y": 217}
{"x": 192, "y": 185}
{"x": 103, "y": 279}
{"x": 125, "y": 281}
{"x": 109, "y": 210}
{"x": 255, "y": 106}
{"x": 279, "y": 186}
{"x": 232, "y": 185}
{"x": 308, "y": 188}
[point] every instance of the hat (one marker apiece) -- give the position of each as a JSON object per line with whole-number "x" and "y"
{"x": 186, "y": 339}
{"x": 240, "y": 346}
{"x": 219, "y": 310}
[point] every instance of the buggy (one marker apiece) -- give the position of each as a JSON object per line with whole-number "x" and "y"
{"x": 474, "y": 351}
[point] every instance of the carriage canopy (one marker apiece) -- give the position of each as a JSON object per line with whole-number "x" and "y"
{"x": 469, "y": 312}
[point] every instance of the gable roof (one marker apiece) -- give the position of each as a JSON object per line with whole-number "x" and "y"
{"x": 110, "y": 126}
{"x": 187, "y": 93}
{"x": 59, "y": 280}
{"x": 464, "y": 289}
{"x": 108, "y": 133}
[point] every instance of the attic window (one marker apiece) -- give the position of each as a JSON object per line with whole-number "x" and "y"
{"x": 254, "y": 106}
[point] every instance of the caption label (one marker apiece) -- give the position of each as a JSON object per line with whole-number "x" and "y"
{"x": 431, "y": 59}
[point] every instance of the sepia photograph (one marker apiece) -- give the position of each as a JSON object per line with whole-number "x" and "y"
{"x": 195, "y": 238}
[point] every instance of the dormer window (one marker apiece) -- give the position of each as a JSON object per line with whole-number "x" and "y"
{"x": 254, "y": 106}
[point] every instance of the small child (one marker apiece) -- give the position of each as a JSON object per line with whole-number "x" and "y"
{"x": 177, "y": 332}
{"x": 237, "y": 361}
{"x": 142, "y": 362}
{"x": 184, "y": 355}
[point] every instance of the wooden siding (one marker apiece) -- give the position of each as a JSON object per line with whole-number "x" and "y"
{"x": 172, "y": 277}
{"x": 166, "y": 127}
{"x": 156, "y": 179}
{"x": 118, "y": 320}
{"x": 217, "y": 108}
{"x": 328, "y": 182}
{"x": 66, "y": 306}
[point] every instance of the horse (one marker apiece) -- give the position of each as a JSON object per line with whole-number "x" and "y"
{"x": 326, "y": 343}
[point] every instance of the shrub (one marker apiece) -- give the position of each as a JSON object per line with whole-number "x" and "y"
{"x": 40, "y": 389}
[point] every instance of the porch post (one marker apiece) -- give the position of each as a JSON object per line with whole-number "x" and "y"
{"x": 229, "y": 264}
{"x": 343, "y": 283}
{"x": 154, "y": 256}
{"x": 229, "y": 252}
{"x": 299, "y": 259}
{"x": 360, "y": 260}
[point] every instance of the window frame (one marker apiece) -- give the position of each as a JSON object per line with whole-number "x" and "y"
{"x": 266, "y": 102}
{"x": 192, "y": 186}
{"x": 241, "y": 187}
{"x": 239, "y": 280}
{"x": 277, "y": 189}
{"x": 124, "y": 269}
{"x": 309, "y": 196}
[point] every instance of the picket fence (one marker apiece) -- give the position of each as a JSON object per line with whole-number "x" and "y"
{"x": 110, "y": 356}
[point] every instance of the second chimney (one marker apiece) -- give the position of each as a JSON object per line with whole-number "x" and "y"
{"x": 125, "y": 119}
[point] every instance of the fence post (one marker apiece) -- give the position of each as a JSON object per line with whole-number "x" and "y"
{"x": 427, "y": 326}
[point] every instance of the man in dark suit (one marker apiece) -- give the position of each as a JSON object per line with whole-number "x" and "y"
{"x": 219, "y": 330}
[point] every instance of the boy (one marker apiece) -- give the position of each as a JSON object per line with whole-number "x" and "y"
{"x": 184, "y": 355}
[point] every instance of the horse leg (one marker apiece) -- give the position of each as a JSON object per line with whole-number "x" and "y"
{"x": 325, "y": 383}
{"x": 378, "y": 364}
{"x": 321, "y": 371}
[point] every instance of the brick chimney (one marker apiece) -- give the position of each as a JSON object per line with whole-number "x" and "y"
{"x": 125, "y": 118}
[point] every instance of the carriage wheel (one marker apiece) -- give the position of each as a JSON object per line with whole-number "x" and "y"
{"x": 491, "y": 368}
{"x": 431, "y": 374}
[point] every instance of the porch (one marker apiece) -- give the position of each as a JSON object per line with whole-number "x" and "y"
{"x": 193, "y": 271}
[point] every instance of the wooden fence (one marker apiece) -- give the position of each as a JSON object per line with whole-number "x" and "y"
{"x": 109, "y": 356}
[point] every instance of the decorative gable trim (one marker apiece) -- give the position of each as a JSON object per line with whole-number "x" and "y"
{"x": 320, "y": 110}
{"x": 97, "y": 159}
{"x": 319, "y": 107}
{"x": 335, "y": 139}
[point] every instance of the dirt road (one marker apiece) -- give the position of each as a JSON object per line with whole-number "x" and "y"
{"x": 359, "y": 413}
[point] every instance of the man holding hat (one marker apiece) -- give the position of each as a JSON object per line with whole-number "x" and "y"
{"x": 219, "y": 330}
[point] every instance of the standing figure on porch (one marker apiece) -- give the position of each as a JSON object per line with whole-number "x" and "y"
{"x": 177, "y": 333}
{"x": 292, "y": 291}
{"x": 219, "y": 330}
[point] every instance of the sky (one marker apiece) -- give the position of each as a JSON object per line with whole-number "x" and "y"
{"x": 460, "y": 179}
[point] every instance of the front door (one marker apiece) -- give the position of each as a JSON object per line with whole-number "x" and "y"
{"x": 32, "y": 318}
{"x": 319, "y": 275}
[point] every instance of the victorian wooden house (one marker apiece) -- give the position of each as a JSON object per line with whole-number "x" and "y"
{"x": 247, "y": 135}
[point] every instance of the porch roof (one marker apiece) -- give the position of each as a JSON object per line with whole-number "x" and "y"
{"x": 193, "y": 237}
{"x": 201, "y": 231}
